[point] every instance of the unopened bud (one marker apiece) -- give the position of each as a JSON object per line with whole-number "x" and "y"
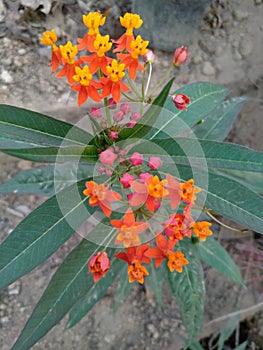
{"x": 180, "y": 56}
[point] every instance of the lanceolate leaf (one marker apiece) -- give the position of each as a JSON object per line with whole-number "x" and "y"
{"x": 150, "y": 116}
{"x": 67, "y": 286}
{"x": 94, "y": 294}
{"x": 56, "y": 154}
{"x": 204, "y": 98}
{"x": 188, "y": 288}
{"x": 123, "y": 289}
{"x": 22, "y": 128}
{"x": 230, "y": 199}
{"x": 213, "y": 254}
{"x": 200, "y": 153}
{"x": 46, "y": 180}
{"x": 218, "y": 124}
{"x": 42, "y": 232}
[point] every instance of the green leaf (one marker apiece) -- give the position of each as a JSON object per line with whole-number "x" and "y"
{"x": 123, "y": 289}
{"x": 42, "y": 232}
{"x": 22, "y": 128}
{"x": 67, "y": 286}
{"x": 188, "y": 288}
{"x": 150, "y": 116}
{"x": 94, "y": 294}
{"x": 47, "y": 180}
{"x": 155, "y": 282}
{"x": 227, "y": 331}
{"x": 213, "y": 254}
{"x": 204, "y": 98}
{"x": 247, "y": 178}
{"x": 242, "y": 346}
{"x": 195, "y": 346}
{"x": 202, "y": 153}
{"x": 56, "y": 154}
{"x": 228, "y": 198}
{"x": 218, "y": 124}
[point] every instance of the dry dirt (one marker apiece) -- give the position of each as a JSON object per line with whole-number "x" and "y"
{"x": 226, "y": 50}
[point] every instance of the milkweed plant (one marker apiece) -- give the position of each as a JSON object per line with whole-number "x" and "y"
{"x": 142, "y": 178}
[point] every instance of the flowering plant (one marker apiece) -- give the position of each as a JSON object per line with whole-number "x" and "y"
{"x": 142, "y": 188}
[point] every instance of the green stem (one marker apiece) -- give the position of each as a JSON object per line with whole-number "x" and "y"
{"x": 161, "y": 82}
{"x": 148, "y": 81}
{"x": 130, "y": 98}
{"x": 133, "y": 87}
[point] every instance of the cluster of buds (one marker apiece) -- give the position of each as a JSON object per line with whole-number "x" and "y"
{"x": 96, "y": 74}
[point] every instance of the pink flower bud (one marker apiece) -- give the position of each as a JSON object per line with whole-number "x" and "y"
{"x": 136, "y": 158}
{"x": 125, "y": 108}
{"x": 101, "y": 170}
{"x": 118, "y": 116}
{"x": 95, "y": 112}
{"x": 154, "y": 163}
{"x": 131, "y": 124}
{"x": 144, "y": 176}
{"x": 129, "y": 196}
{"x": 108, "y": 172}
{"x": 149, "y": 57}
{"x": 126, "y": 180}
{"x": 180, "y": 101}
{"x": 180, "y": 56}
{"x": 135, "y": 116}
{"x": 98, "y": 265}
{"x": 157, "y": 205}
{"x": 103, "y": 123}
{"x": 114, "y": 135}
{"x": 108, "y": 157}
{"x": 111, "y": 103}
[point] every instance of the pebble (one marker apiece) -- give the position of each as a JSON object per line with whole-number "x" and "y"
{"x": 22, "y": 52}
{"x": 152, "y": 329}
{"x": 258, "y": 2}
{"x": 208, "y": 68}
{"x": 17, "y": 62}
{"x": 246, "y": 47}
{"x": 14, "y": 288}
{"x": 24, "y": 164}
{"x": 197, "y": 59}
{"x": 23, "y": 209}
{"x": 4, "y": 319}
{"x": 240, "y": 15}
{"x": 6, "y": 77}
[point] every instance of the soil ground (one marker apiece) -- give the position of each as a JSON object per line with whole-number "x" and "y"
{"x": 226, "y": 50}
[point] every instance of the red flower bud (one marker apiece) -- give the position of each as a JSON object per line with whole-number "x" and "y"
{"x": 180, "y": 101}
{"x": 98, "y": 265}
{"x": 180, "y": 56}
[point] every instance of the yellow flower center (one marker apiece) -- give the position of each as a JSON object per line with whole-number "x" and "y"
{"x": 115, "y": 71}
{"x": 93, "y": 21}
{"x": 83, "y": 76}
{"x": 156, "y": 187}
{"x": 69, "y": 52}
{"x": 131, "y": 21}
{"x": 102, "y": 44}
{"x": 139, "y": 47}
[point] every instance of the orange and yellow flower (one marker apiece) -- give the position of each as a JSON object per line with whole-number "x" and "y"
{"x": 128, "y": 21}
{"x": 68, "y": 54}
{"x": 201, "y": 229}
{"x": 136, "y": 272}
{"x": 129, "y": 229}
{"x": 98, "y": 59}
{"x": 173, "y": 187}
{"x": 138, "y": 47}
{"x": 98, "y": 265}
{"x": 112, "y": 85}
{"x": 164, "y": 250}
{"x": 50, "y": 38}
{"x": 93, "y": 21}
{"x": 101, "y": 195}
{"x": 188, "y": 192}
{"x": 148, "y": 192}
{"x": 86, "y": 87}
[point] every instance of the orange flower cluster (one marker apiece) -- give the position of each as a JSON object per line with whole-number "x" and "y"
{"x": 144, "y": 196}
{"x": 109, "y": 72}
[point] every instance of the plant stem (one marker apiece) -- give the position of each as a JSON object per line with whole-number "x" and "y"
{"x": 161, "y": 82}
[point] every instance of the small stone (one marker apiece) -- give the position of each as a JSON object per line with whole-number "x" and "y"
{"x": 4, "y": 319}
{"x": 24, "y": 164}
{"x": 240, "y": 15}
{"x": 17, "y": 62}
{"x": 245, "y": 47}
{"x": 23, "y": 209}
{"x": 6, "y": 77}
{"x": 6, "y": 41}
{"x": 14, "y": 288}
{"x": 237, "y": 56}
{"x": 22, "y": 52}
{"x": 3, "y": 307}
{"x": 197, "y": 59}
{"x": 8, "y": 61}
{"x": 208, "y": 44}
{"x": 109, "y": 338}
{"x": 208, "y": 68}
{"x": 218, "y": 51}
{"x": 258, "y": 2}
